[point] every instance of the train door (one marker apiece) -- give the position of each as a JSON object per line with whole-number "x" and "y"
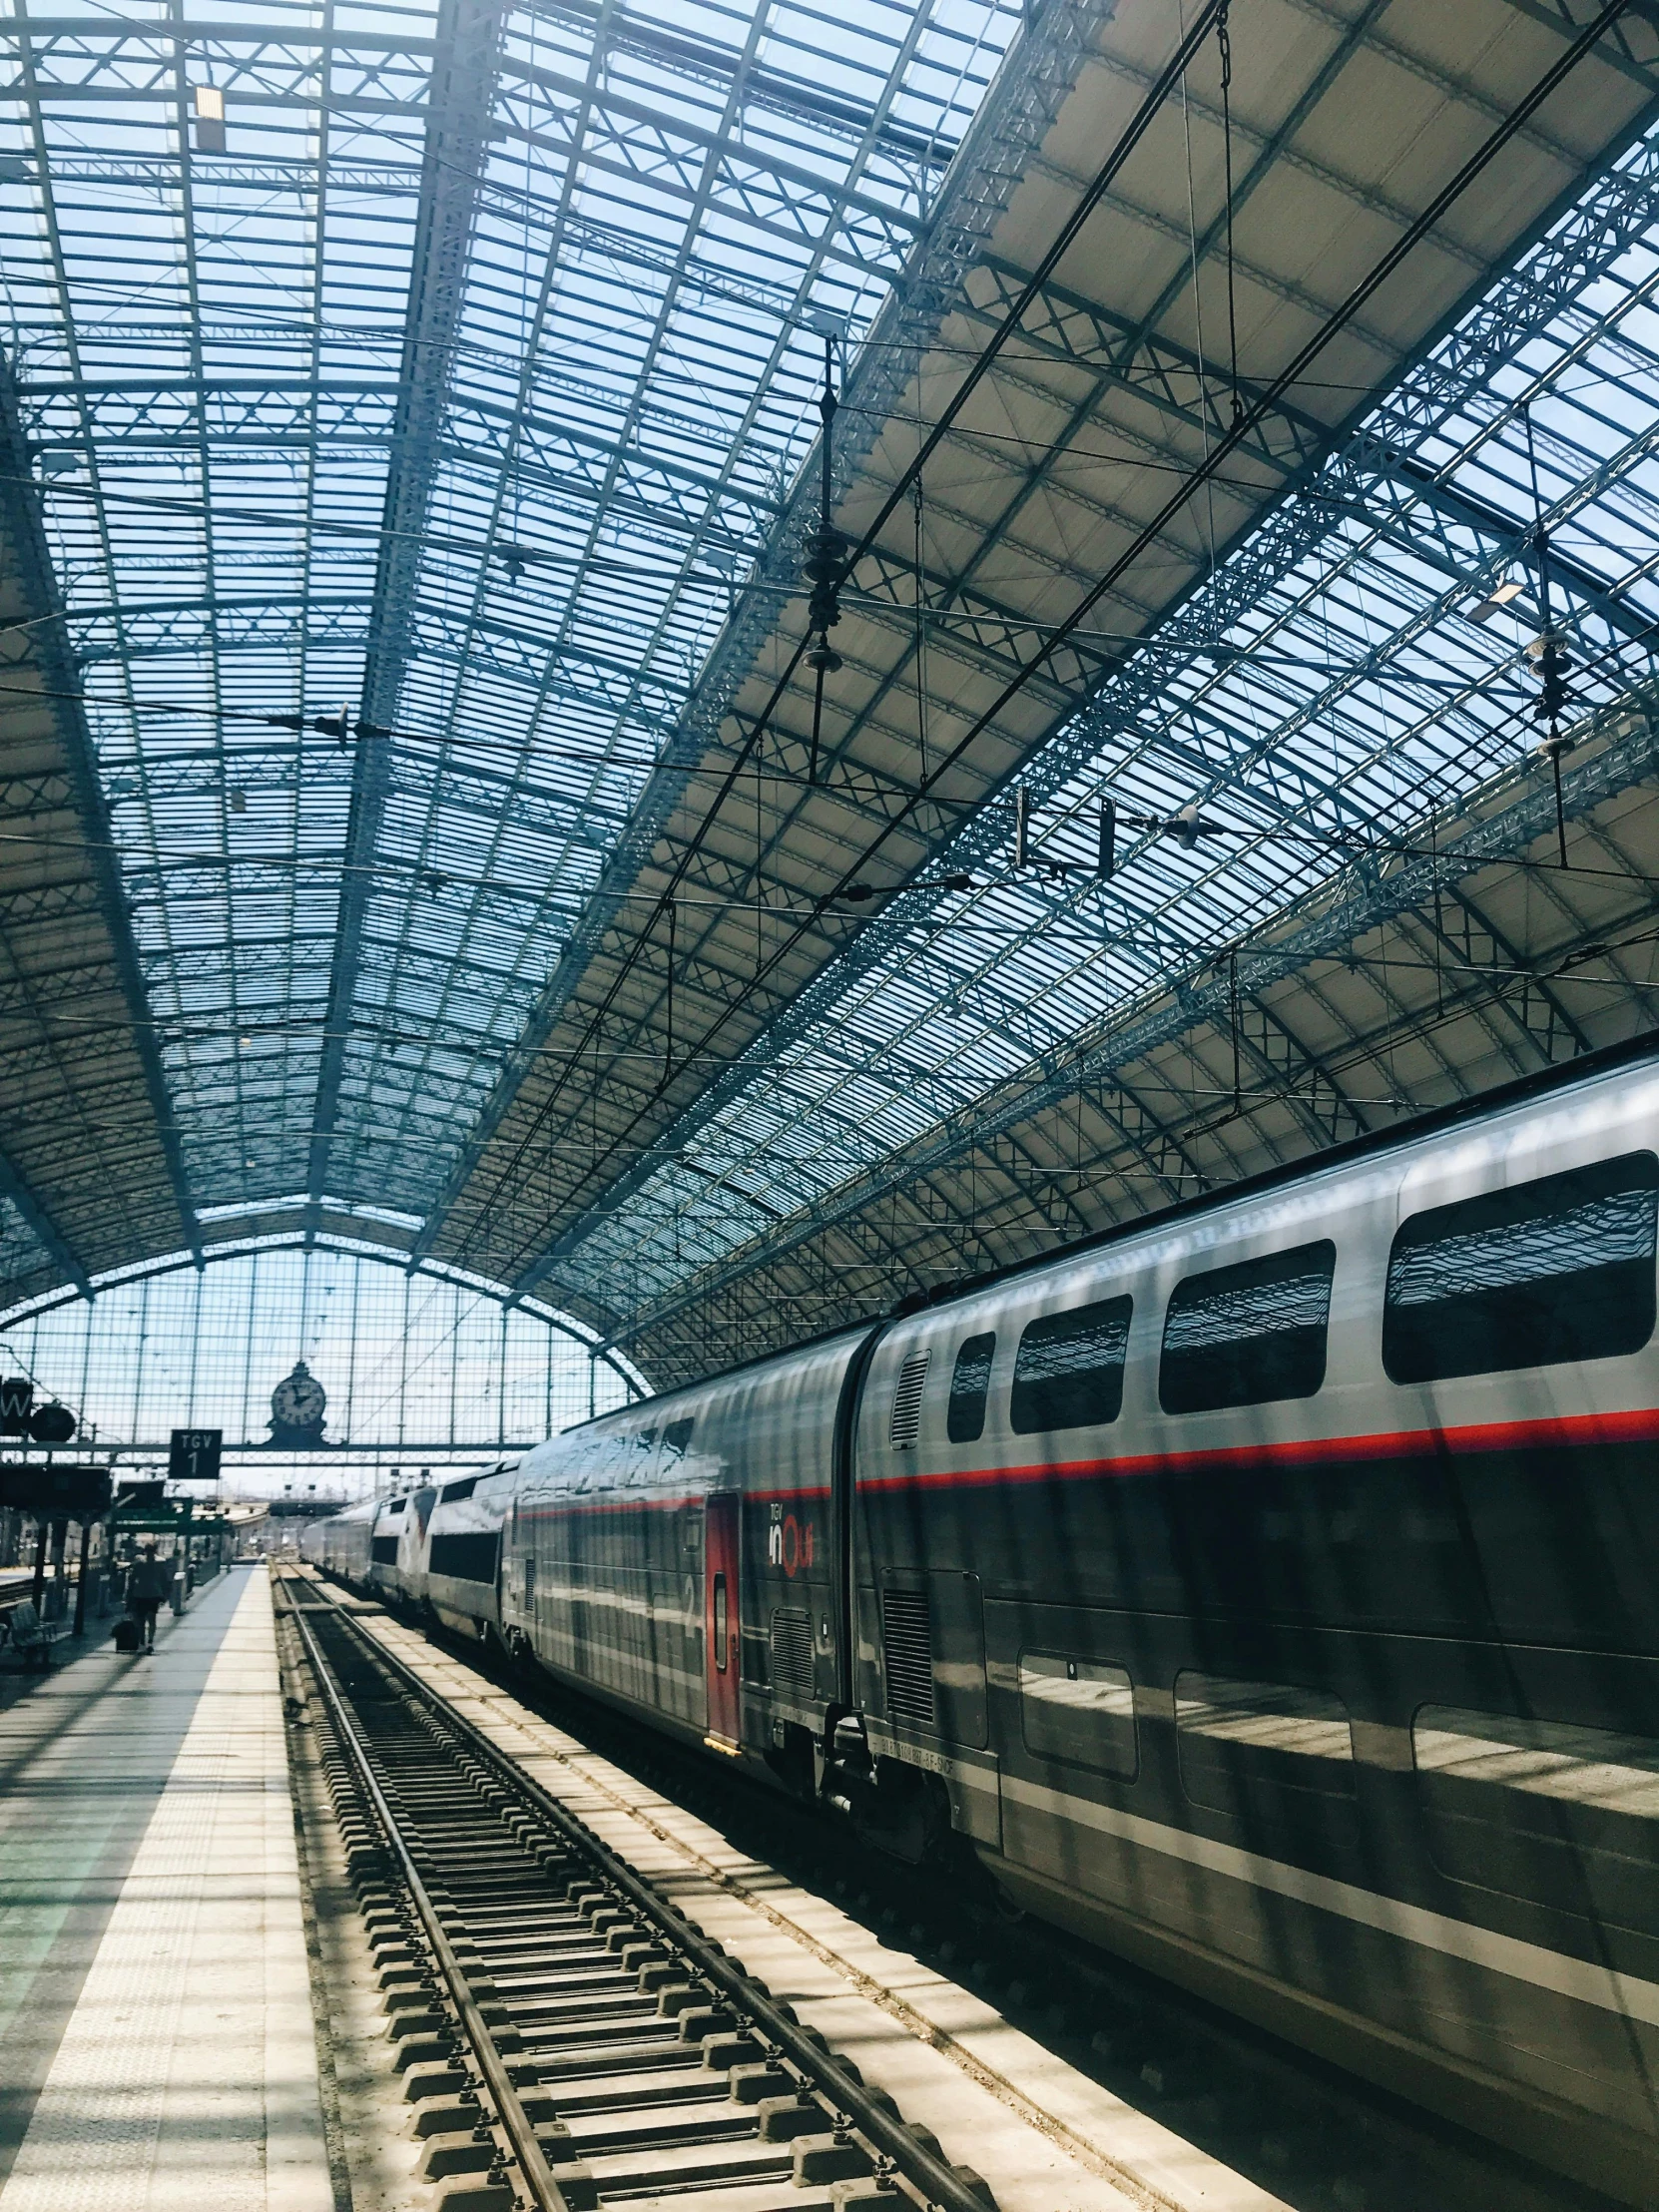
{"x": 719, "y": 1640}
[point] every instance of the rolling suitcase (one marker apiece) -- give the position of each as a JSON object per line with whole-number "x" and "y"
{"x": 126, "y": 1635}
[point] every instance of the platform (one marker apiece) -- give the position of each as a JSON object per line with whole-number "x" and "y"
{"x": 155, "y": 2002}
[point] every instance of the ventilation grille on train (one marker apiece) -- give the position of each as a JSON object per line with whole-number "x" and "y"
{"x": 907, "y": 1648}
{"x": 906, "y": 1401}
{"x": 792, "y": 1650}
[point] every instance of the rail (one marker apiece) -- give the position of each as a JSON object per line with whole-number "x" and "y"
{"x": 897, "y": 2149}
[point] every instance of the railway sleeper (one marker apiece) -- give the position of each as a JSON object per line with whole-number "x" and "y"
{"x": 642, "y": 2080}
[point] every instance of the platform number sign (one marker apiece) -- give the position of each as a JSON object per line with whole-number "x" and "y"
{"x": 194, "y": 1454}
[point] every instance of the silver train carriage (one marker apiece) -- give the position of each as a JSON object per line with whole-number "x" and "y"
{"x": 436, "y": 1547}
{"x": 1267, "y": 1591}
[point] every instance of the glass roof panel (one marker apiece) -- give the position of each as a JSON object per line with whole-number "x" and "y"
{"x": 1332, "y": 686}
{"x": 444, "y": 385}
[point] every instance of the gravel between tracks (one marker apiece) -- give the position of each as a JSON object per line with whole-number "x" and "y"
{"x": 1045, "y": 2137}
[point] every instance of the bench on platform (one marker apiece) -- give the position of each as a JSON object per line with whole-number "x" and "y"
{"x": 28, "y": 1636}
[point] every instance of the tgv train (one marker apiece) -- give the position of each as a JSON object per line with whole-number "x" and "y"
{"x": 1268, "y": 1591}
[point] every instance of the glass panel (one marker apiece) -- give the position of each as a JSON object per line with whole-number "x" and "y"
{"x": 1245, "y": 1335}
{"x": 1068, "y": 1372}
{"x": 1550, "y": 1759}
{"x": 1238, "y": 1739}
{"x": 1559, "y": 1269}
{"x": 720, "y": 1623}
{"x": 1081, "y": 1710}
{"x": 969, "y": 1383}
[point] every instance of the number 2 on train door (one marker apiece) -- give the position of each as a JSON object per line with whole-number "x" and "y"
{"x": 720, "y": 1557}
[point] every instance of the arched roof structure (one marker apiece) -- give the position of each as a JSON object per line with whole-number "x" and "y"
{"x": 426, "y": 821}
{"x": 410, "y": 1359}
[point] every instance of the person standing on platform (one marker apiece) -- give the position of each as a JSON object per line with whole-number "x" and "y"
{"x": 146, "y": 1585}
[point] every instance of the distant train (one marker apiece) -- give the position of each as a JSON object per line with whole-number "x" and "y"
{"x": 1268, "y": 1591}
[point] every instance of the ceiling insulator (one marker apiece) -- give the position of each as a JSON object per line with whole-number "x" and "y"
{"x": 1106, "y": 857}
{"x": 825, "y": 566}
{"x": 1548, "y": 650}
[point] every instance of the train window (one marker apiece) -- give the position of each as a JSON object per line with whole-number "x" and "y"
{"x": 453, "y": 1491}
{"x": 677, "y": 1439}
{"x": 1235, "y": 1737}
{"x": 1248, "y": 1334}
{"x": 469, "y": 1557}
{"x": 1553, "y": 1270}
{"x": 971, "y": 1381}
{"x": 1068, "y": 1372}
{"x": 398, "y": 1504}
{"x": 1547, "y": 1759}
{"x": 905, "y": 1425}
{"x": 720, "y": 1623}
{"x": 1080, "y": 1710}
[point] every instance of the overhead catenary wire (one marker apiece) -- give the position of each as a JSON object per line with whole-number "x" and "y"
{"x": 1515, "y": 120}
{"x": 938, "y": 800}
{"x": 1145, "y": 114}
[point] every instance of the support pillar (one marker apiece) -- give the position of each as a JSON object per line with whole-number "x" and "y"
{"x": 81, "y": 1579}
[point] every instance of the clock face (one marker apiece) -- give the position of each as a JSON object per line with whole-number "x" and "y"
{"x": 298, "y": 1400}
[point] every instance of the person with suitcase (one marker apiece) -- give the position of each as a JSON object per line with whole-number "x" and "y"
{"x": 146, "y": 1585}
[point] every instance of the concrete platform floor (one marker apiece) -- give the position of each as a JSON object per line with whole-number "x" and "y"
{"x": 155, "y": 2029}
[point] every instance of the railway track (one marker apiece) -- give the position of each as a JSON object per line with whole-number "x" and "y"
{"x": 1256, "y": 2123}
{"x": 569, "y": 2038}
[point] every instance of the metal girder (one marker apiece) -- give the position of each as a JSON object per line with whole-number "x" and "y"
{"x": 372, "y": 78}
{"x": 636, "y": 141}
{"x": 1619, "y": 210}
{"x": 1136, "y": 357}
{"x": 121, "y": 416}
{"x": 594, "y": 240}
{"x": 1399, "y": 485}
{"x": 27, "y": 547}
{"x": 1534, "y": 1008}
{"x": 704, "y": 63}
{"x": 1203, "y": 1003}
{"x": 464, "y": 67}
{"x": 975, "y": 193}
{"x": 202, "y": 776}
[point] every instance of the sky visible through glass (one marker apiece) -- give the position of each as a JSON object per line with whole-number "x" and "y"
{"x": 407, "y": 1362}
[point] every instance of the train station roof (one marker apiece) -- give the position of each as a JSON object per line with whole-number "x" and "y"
{"x": 438, "y": 815}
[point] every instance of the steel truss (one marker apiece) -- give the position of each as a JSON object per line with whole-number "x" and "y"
{"x": 1390, "y": 518}
{"x": 460, "y": 384}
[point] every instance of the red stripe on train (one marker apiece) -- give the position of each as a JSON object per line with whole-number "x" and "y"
{"x": 1581, "y": 1431}
{"x": 1640, "y": 1425}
